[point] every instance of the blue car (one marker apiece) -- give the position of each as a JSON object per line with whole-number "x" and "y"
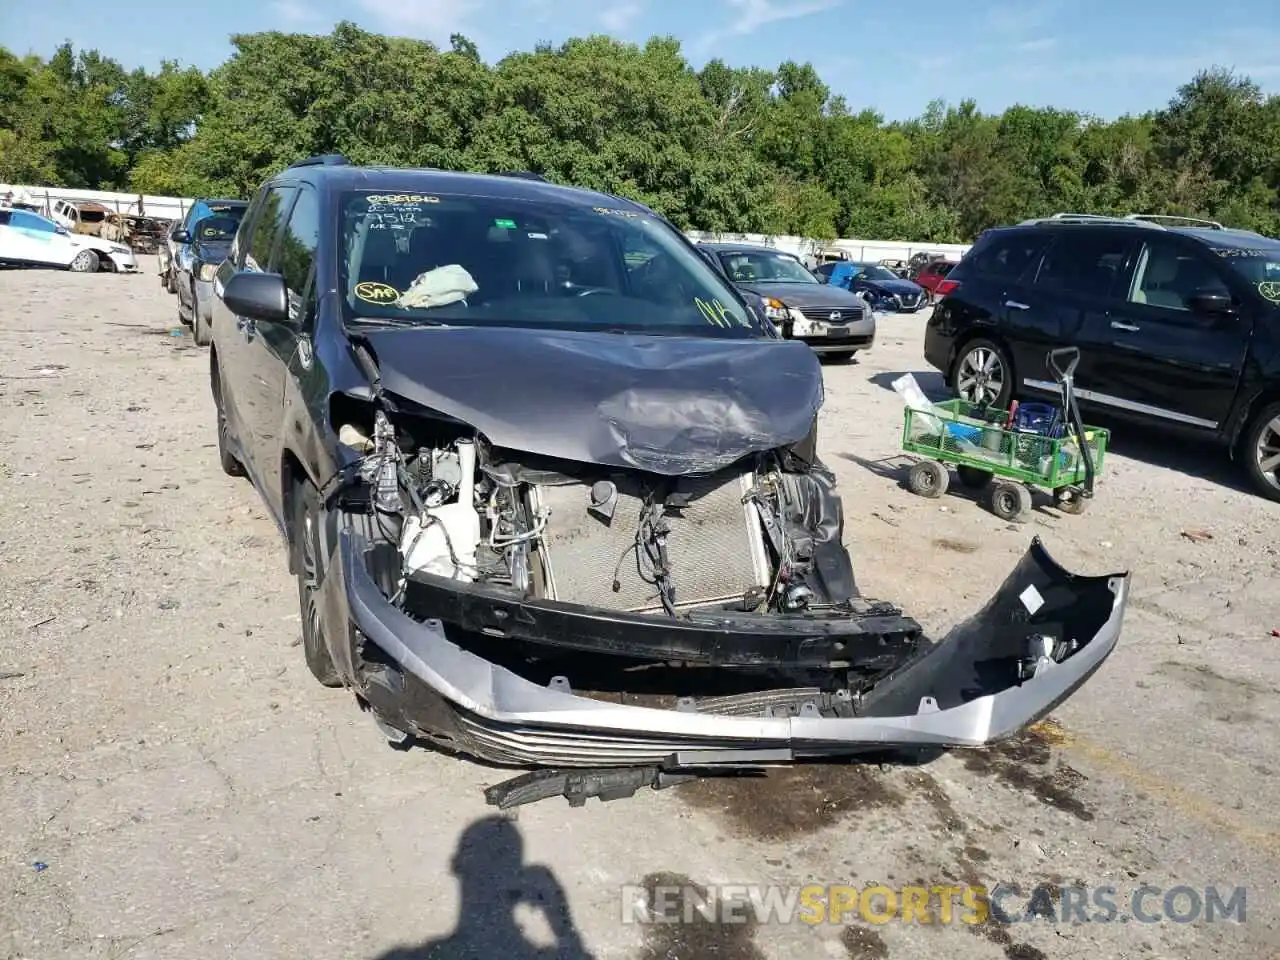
{"x": 886, "y": 291}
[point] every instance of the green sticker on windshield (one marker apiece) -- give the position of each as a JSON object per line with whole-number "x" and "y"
{"x": 505, "y": 224}
{"x": 1270, "y": 289}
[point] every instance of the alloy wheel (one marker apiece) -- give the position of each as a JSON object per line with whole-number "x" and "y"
{"x": 981, "y": 376}
{"x": 311, "y": 581}
{"x": 1267, "y": 452}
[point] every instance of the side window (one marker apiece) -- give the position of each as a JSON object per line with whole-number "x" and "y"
{"x": 1004, "y": 257}
{"x": 4, "y": 218}
{"x": 266, "y": 227}
{"x": 825, "y": 270}
{"x": 1167, "y": 275}
{"x": 1085, "y": 262}
{"x": 28, "y": 222}
{"x": 240, "y": 245}
{"x": 296, "y": 255}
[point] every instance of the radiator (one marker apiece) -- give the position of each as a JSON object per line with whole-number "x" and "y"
{"x": 715, "y": 548}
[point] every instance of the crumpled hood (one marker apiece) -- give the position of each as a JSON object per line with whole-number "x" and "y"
{"x": 806, "y": 294}
{"x": 667, "y": 405}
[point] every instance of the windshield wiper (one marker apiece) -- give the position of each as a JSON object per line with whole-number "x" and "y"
{"x": 401, "y": 322}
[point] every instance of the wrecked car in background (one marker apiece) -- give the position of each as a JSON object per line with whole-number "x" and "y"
{"x": 28, "y": 239}
{"x": 209, "y": 242}
{"x": 176, "y": 256}
{"x": 552, "y": 496}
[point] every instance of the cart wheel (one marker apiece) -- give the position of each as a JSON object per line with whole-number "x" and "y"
{"x": 1069, "y": 501}
{"x": 928, "y": 478}
{"x": 1009, "y": 501}
{"x": 973, "y": 477}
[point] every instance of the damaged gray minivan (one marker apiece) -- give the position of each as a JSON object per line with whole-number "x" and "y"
{"x": 552, "y": 495}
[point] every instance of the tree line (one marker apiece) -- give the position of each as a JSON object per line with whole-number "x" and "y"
{"x": 720, "y": 149}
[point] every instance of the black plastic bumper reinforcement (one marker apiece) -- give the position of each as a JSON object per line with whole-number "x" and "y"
{"x": 870, "y": 635}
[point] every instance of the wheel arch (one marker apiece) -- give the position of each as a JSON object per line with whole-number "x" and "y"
{"x": 982, "y": 333}
{"x": 292, "y": 476}
{"x": 1259, "y": 401}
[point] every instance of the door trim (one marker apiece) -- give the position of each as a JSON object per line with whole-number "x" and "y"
{"x": 1131, "y": 405}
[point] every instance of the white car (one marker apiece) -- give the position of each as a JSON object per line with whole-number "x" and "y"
{"x": 28, "y": 239}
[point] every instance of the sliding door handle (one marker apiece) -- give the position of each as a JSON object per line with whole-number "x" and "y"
{"x": 1121, "y": 325}
{"x": 1015, "y": 305}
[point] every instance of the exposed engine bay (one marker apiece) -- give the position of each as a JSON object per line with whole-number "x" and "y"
{"x": 758, "y": 540}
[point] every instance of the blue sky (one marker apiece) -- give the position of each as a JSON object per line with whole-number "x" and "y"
{"x": 1105, "y": 57}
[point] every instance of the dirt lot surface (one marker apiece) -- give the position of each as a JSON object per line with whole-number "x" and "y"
{"x": 174, "y": 784}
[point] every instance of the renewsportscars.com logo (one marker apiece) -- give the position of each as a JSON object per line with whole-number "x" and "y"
{"x": 940, "y": 904}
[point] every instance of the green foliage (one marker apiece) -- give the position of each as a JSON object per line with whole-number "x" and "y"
{"x": 723, "y": 149}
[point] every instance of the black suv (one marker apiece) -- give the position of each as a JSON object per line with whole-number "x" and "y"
{"x": 1177, "y": 321}
{"x": 528, "y": 448}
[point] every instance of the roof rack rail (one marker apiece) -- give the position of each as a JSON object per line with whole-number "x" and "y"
{"x": 322, "y": 160}
{"x": 523, "y": 175}
{"x": 1089, "y": 218}
{"x": 1154, "y": 217}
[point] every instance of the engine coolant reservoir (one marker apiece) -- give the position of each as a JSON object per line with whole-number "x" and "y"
{"x": 425, "y": 546}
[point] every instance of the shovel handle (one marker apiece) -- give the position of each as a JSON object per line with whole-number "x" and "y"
{"x": 1062, "y": 362}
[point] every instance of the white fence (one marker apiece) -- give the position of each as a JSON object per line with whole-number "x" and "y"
{"x": 174, "y": 208}
{"x": 164, "y": 208}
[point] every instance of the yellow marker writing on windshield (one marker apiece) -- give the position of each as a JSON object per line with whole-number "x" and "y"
{"x": 715, "y": 312}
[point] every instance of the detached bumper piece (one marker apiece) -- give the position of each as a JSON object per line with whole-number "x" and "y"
{"x": 1027, "y": 650}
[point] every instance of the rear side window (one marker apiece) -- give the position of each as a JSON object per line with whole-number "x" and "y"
{"x": 267, "y": 226}
{"x": 1085, "y": 262}
{"x": 1005, "y": 256}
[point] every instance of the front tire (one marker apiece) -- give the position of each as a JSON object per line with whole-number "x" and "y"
{"x": 1009, "y": 500}
{"x": 310, "y": 563}
{"x": 928, "y": 478}
{"x": 1260, "y": 449}
{"x": 983, "y": 374}
{"x": 199, "y": 329}
{"x": 86, "y": 261}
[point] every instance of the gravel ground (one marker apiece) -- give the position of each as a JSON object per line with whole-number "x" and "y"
{"x": 174, "y": 784}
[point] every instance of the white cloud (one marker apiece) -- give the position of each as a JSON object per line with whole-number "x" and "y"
{"x": 433, "y": 20}
{"x": 620, "y": 16}
{"x": 748, "y": 16}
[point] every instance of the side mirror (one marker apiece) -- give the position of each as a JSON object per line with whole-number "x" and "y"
{"x": 259, "y": 296}
{"x": 1211, "y": 302}
{"x": 182, "y": 236}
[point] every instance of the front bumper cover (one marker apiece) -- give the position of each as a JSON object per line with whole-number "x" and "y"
{"x": 1036, "y": 642}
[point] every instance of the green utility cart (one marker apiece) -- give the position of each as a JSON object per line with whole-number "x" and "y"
{"x": 1009, "y": 451}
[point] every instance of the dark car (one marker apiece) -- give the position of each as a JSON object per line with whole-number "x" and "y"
{"x": 832, "y": 321}
{"x": 209, "y": 243}
{"x": 882, "y": 287}
{"x": 1177, "y": 321}
{"x": 552, "y": 498}
{"x": 184, "y": 234}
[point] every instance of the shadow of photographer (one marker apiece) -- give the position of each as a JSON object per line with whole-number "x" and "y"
{"x": 495, "y": 880}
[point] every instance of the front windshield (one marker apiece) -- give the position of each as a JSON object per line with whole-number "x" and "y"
{"x": 1259, "y": 265}
{"x": 425, "y": 260}
{"x": 751, "y": 266}
{"x": 215, "y": 229}
{"x": 876, "y": 272}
